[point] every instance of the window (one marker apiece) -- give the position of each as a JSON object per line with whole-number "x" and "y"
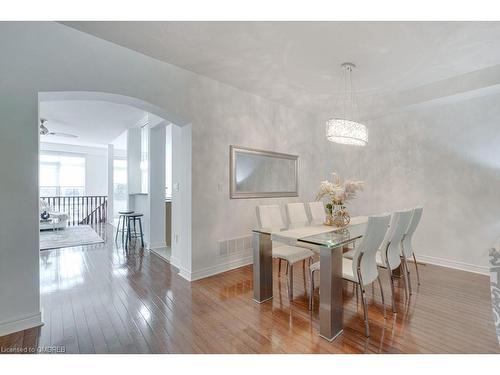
{"x": 61, "y": 175}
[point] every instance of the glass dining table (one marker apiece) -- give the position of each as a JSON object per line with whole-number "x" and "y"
{"x": 329, "y": 243}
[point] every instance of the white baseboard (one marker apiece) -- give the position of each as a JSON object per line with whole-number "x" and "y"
{"x": 157, "y": 254}
{"x": 185, "y": 274}
{"x": 214, "y": 270}
{"x": 453, "y": 264}
{"x": 228, "y": 266}
{"x": 160, "y": 245}
{"x": 233, "y": 264}
{"x": 26, "y": 322}
{"x": 182, "y": 271}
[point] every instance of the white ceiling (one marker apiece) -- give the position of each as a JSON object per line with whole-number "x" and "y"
{"x": 298, "y": 63}
{"x": 94, "y": 122}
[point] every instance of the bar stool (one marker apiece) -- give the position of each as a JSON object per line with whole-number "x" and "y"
{"x": 134, "y": 218}
{"x": 121, "y": 217}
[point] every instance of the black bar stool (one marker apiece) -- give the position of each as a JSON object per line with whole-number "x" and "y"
{"x": 122, "y": 217}
{"x": 133, "y": 218}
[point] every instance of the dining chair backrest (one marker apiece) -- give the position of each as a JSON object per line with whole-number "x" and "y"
{"x": 407, "y": 240}
{"x": 269, "y": 217}
{"x": 317, "y": 213}
{"x": 296, "y": 214}
{"x": 365, "y": 253}
{"x": 391, "y": 245}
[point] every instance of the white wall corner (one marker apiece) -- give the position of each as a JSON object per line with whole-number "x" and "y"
{"x": 20, "y": 324}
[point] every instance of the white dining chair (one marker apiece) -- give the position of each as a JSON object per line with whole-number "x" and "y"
{"x": 296, "y": 215}
{"x": 362, "y": 270}
{"x": 297, "y": 218}
{"x": 269, "y": 218}
{"x": 317, "y": 213}
{"x": 407, "y": 245}
{"x": 390, "y": 250}
{"x": 389, "y": 254}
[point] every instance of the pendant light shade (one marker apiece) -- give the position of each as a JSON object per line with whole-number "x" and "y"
{"x": 345, "y": 129}
{"x": 346, "y": 132}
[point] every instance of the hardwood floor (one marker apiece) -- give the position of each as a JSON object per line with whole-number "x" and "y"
{"x": 99, "y": 299}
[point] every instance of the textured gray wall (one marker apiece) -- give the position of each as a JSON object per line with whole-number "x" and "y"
{"x": 445, "y": 158}
{"x": 226, "y": 116}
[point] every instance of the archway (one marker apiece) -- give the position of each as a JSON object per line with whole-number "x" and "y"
{"x": 181, "y": 162}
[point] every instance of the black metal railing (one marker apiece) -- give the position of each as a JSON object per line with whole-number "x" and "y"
{"x": 86, "y": 209}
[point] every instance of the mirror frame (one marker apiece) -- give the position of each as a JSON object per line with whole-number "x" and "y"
{"x": 234, "y": 194}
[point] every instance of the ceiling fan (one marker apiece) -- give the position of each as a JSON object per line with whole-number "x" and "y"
{"x": 45, "y": 131}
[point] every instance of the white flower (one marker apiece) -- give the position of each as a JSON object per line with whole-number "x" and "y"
{"x": 337, "y": 191}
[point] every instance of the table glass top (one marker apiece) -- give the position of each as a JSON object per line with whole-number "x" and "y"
{"x": 331, "y": 237}
{"x": 336, "y": 238}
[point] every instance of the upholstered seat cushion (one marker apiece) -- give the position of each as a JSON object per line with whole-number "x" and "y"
{"x": 378, "y": 257}
{"x": 347, "y": 272}
{"x": 292, "y": 254}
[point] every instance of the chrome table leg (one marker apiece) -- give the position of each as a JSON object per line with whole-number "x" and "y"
{"x": 331, "y": 313}
{"x": 262, "y": 267}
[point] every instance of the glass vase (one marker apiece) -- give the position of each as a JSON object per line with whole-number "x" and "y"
{"x": 338, "y": 217}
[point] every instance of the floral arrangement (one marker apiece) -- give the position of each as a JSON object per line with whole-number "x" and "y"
{"x": 338, "y": 193}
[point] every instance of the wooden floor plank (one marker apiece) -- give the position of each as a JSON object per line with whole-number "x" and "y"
{"x": 102, "y": 299}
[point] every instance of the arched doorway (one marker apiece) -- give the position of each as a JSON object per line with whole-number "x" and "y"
{"x": 181, "y": 170}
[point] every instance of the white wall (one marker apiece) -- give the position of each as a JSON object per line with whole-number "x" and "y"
{"x": 138, "y": 201}
{"x": 182, "y": 254}
{"x": 168, "y": 160}
{"x": 96, "y": 173}
{"x": 110, "y": 155}
{"x": 156, "y": 185}
{"x": 119, "y": 151}
{"x": 134, "y": 160}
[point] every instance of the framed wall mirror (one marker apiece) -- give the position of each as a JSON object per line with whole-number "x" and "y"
{"x": 260, "y": 174}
